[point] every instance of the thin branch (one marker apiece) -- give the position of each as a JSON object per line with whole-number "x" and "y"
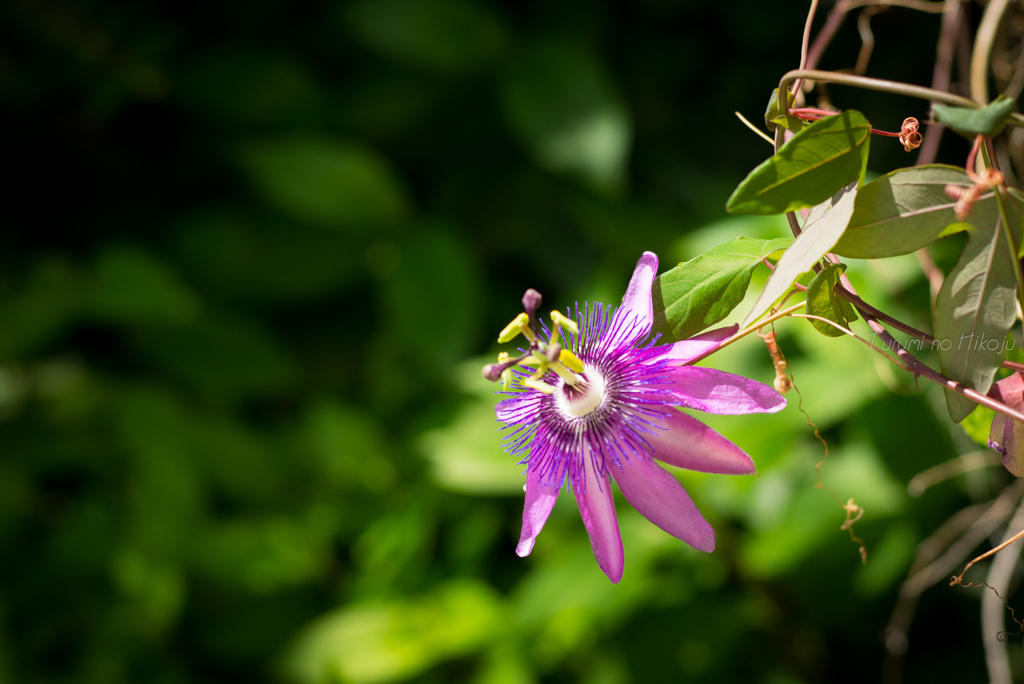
{"x": 960, "y": 578}
{"x": 983, "y": 48}
{"x": 951, "y": 19}
{"x": 881, "y": 85}
{"x": 993, "y": 605}
{"x": 881, "y": 315}
{"x": 957, "y": 466}
{"x": 754, "y": 128}
{"x": 1001, "y": 509}
{"x": 921, "y": 369}
{"x": 746, "y": 331}
{"x": 852, "y": 334}
{"x": 922, "y": 5}
{"x": 867, "y": 38}
{"x": 838, "y": 14}
{"x": 804, "y": 43}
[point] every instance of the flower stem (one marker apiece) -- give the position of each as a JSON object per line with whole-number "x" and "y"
{"x": 746, "y": 331}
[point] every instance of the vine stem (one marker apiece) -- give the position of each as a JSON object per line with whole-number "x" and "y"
{"x": 986, "y": 36}
{"x": 883, "y": 86}
{"x": 805, "y": 42}
{"x": 838, "y": 13}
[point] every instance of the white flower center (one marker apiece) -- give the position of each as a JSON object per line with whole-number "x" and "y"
{"x": 578, "y": 401}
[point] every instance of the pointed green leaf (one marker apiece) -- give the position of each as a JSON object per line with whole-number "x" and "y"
{"x": 903, "y": 211}
{"x": 824, "y": 302}
{"x": 701, "y": 292}
{"x": 989, "y": 120}
{"x": 975, "y": 309}
{"x": 818, "y": 161}
{"x": 825, "y": 224}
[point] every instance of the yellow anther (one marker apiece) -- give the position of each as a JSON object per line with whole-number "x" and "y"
{"x": 519, "y": 324}
{"x": 569, "y": 360}
{"x": 503, "y": 357}
{"x": 561, "y": 321}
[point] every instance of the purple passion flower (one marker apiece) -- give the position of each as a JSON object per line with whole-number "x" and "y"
{"x": 606, "y": 405}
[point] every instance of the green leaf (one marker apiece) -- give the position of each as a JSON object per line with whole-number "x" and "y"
{"x": 819, "y": 160}
{"x": 975, "y": 309}
{"x": 46, "y": 305}
{"x": 1015, "y": 211}
{"x": 825, "y": 224}
{"x": 221, "y": 357}
{"x": 988, "y": 120}
{"x": 824, "y": 302}
{"x": 331, "y": 183}
{"x": 243, "y": 87}
{"x": 391, "y": 641}
{"x": 702, "y": 291}
{"x": 979, "y": 424}
{"x": 773, "y": 115}
{"x": 132, "y": 287}
{"x": 903, "y": 211}
{"x": 560, "y": 101}
{"x": 266, "y": 262}
{"x": 441, "y": 35}
{"x": 433, "y": 275}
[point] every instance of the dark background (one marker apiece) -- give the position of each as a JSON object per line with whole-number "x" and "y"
{"x": 252, "y": 256}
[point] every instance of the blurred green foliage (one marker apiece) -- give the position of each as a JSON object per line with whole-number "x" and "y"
{"x": 253, "y": 255}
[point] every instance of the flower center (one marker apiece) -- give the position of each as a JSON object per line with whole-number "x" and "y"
{"x": 581, "y": 399}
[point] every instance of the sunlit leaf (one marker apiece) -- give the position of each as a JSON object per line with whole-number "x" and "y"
{"x": 563, "y": 105}
{"x": 391, "y": 641}
{"x": 817, "y": 162}
{"x": 903, "y": 211}
{"x": 701, "y": 292}
{"x": 336, "y": 184}
{"x": 822, "y": 301}
{"x": 825, "y": 224}
{"x": 446, "y": 35}
{"x": 265, "y": 553}
{"x": 978, "y": 424}
{"x": 988, "y": 120}
{"x": 975, "y": 309}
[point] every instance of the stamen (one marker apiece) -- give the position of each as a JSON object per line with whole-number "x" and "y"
{"x": 560, "y": 320}
{"x": 519, "y": 324}
{"x": 570, "y": 378}
{"x": 536, "y": 384}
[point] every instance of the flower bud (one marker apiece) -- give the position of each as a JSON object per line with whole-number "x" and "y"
{"x": 492, "y": 371}
{"x": 1007, "y": 435}
{"x": 531, "y": 301}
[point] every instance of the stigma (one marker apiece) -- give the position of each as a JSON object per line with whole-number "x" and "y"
{"x": 583, "y": 398}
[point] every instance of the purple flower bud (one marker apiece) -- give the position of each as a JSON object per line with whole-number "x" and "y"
{"x": 531, "y": 301}
{"x": 493, "y": 371}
